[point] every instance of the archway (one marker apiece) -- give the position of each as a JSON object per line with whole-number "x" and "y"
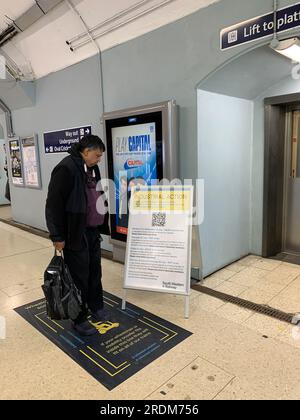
{"x": 231, "y": 152}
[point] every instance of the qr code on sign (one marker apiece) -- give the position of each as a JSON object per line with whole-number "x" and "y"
{"x": 232, "y": 37}
{"x": 159, "y": 219}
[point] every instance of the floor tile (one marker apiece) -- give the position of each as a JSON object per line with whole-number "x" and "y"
{"x": 24, "y": 267}
{"x": 233, "y": 313}
{"x": 267, "y": 264}
{"x": 22, "y": 287}
{"x": 212, "y": 282}
{"x": 199, "y": 380}
{"x": 239, "y": 390}
{"x": 231, "y": 289}
{"x": 258, "y": 296}
{"x": 264, "y": 325}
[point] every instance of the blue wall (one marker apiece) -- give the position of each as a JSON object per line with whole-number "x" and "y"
{"x": 165, "y": 64}
{"x": 65, "y": 99}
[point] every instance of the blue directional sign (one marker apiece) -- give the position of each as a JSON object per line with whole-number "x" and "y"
{"x": 260, "y": 27}
{"x": 62, "y": 141}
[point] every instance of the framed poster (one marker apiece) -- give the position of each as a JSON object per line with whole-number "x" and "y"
{"x": 31, "y": 166}
{"x": 15, "y": 162}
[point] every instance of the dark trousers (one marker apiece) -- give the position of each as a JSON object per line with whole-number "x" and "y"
{"x": 85, "y": 268}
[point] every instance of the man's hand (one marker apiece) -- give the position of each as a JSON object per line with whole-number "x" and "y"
{"x": 59, "y": 246}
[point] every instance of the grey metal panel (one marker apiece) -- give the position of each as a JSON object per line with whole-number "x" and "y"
{"x": 291, "y": 225}
{"x": 292, "y": 239}
{"x": 273, "y": 179}
{"x": 284, "y": 99}
{"x": 47, "y": 5}
{"x": 29, "y": 17}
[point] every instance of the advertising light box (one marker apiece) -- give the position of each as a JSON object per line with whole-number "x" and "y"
{"x": 138, "y": 154}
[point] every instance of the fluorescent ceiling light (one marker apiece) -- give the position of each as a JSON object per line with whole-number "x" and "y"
{"x": 290, "y": 48}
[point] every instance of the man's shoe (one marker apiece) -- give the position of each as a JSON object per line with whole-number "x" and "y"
{"x": 85, "y": 328}
{"x": 99, "y": 316}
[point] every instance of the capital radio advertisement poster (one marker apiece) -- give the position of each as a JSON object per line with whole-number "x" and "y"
{"x": 134, "y": 151}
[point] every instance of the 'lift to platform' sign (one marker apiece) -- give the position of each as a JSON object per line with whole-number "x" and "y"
{"x": 260, "y": 27}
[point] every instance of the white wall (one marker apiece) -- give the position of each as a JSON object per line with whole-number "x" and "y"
{"x": 224, "y": 162}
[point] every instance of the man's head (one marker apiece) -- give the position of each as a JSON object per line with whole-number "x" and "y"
{"x": 91, "y": 149}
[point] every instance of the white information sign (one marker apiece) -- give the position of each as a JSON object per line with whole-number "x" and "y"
{"x": 158, "y": 254}
{"x": 30, "y": 162}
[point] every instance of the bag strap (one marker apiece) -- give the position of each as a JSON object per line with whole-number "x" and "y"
{"x": 61, "y": 253}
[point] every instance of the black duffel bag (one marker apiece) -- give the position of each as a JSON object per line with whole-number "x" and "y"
{"x": 63, "y": 299}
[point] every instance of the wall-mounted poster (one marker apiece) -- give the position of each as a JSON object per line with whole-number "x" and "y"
{"x": 16, "y": 166}
{"x": 31, "y": 162}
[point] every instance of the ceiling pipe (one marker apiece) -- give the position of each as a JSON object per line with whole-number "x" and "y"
{"x": 8, "y": 119}
{"x": 109, "y": 20}
{"x": 120, "y": 25}
{"x": 87, "y": 30}
{"x": 72, "y": 7}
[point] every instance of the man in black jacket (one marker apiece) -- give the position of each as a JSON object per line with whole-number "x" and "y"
{"x": 76, "y": 215}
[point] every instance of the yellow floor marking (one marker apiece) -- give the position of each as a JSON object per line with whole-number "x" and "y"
{"x": 111, "y": 300}
{"x": 42, "y": 313}
{"x": 101, "y": 367}
{"x": 111, "y": 364}
{"x": 106, "y": 303}
{"x": 166, "y": 335}
{"x": 171, "y": 338}
{"x": 56, "y": 323}
{"x": 174, "y": 332}
{"x": 45, "y": 324}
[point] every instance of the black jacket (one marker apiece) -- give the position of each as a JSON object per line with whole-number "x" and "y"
{"x": 66, "y": 205}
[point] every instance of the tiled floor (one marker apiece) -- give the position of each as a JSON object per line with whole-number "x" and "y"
{"x": 232, "y": 354}
{"x": 5, "y": 212}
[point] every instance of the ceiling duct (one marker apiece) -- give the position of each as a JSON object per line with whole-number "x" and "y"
{"x": 32, "y": 15}
{"x": 8, "y": 34}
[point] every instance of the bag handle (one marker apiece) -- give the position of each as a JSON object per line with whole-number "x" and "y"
{"x": 61, "y": 253}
